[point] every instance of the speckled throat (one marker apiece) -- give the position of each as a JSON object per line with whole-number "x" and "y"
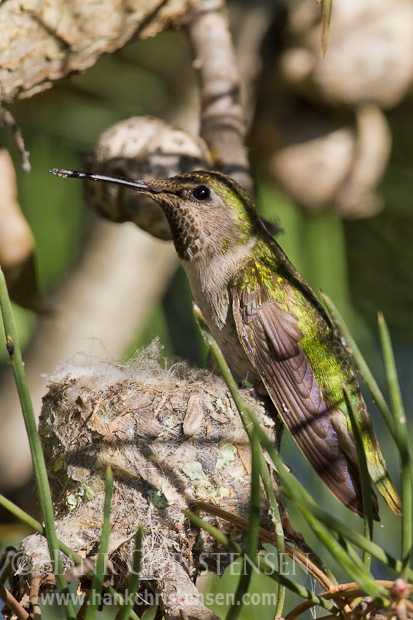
{"x": 185, "y": 232}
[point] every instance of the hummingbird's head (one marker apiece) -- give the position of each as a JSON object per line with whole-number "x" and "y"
{"x": 208, "y": 212}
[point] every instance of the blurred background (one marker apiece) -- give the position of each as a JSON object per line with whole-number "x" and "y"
{"x": 331, "y": 152}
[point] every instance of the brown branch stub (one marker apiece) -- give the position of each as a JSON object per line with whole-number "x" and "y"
{"x": 12, "y": 603}
{"x": 7, "y": 119}
{"x": 34, "y": 594}
{"x": 223, "y": 125}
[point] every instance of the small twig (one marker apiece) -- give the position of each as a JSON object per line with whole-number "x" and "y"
{"x": 11, "y": 602}
{"x": 299, "y": 609}
{"x": 81, "y": 614}
{"x": 298, "y": 589}
{"x": 353, "y": 536}
{"x": 345, "y": 590}
{"x": 352, "y": 589}
{"x": 34, "y": 593}
{"x": 7, "y": 118}
{"x": 350, "y": 562}
{"x": 268, "y": 536}
{"x": 262, "y": 564}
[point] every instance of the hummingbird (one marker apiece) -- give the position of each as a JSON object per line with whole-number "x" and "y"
{"x": 269, "y": 324}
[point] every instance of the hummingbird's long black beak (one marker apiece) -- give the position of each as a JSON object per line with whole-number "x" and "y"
{"x": 75, "y": 174}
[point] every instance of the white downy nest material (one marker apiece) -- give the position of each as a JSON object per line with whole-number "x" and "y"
{"x": 172, "y": 436}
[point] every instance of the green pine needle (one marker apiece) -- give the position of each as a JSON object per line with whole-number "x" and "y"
{"x": 360, "y": 362}
{"x": 39, "y": 466}
{"x": 246, "y": 413}
{"x": 101, "y": 561}
{"x": 349, "y": 563}
{"x": 134, "y": 578}
{"x": 262, "y": 564}
{"x": 252, "y": 533}
{"x": 402, "y": 442}
{"x": 364, "y": 473}
{"x": 352, "y": 536}
{"x": 325, "y": 25}
{"x": 278, "y": 530}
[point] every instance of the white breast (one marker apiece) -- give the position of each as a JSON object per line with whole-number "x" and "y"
{"x": 209, "y": 281}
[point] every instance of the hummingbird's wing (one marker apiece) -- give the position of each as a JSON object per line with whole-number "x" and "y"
{"x": 271, "y": 335}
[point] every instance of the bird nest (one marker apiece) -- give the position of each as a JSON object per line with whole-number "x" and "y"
{"x": 173, "y": 437}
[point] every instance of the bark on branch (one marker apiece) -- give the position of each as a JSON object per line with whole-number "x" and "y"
{"x": 44, "y": 41}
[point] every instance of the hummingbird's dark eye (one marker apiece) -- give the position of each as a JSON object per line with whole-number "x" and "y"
{"x": 201, "y": 193}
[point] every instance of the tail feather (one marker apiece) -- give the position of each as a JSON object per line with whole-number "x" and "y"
{"x": 386, "y": 488}
{"x": 381, "y": 478}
